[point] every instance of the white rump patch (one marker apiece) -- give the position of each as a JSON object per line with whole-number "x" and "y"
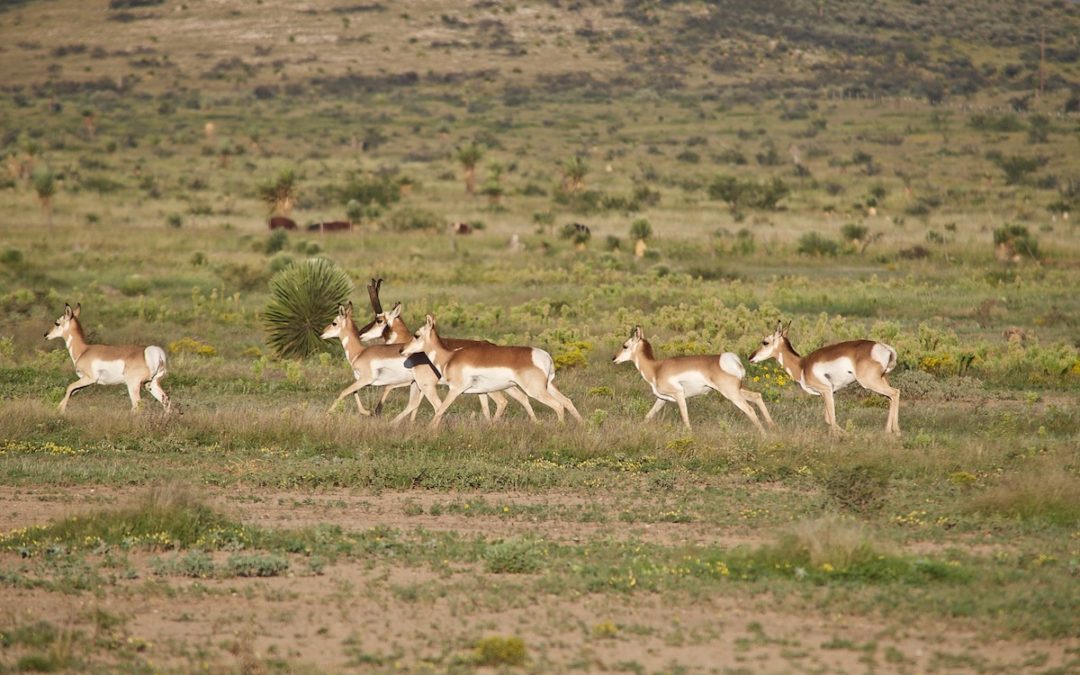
{"x": 155, "y": 361}
{"x": 544, "y": 362}
{"x": 885, "y": 355}
{"x": 732, "y": 365}
{"x": 108, "y": 372}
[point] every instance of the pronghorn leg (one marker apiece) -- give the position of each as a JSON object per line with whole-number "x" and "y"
{"x": 680, "y": 398}
{"x": 134, "y": 392}
{"x": 830, "y": 411}
{"x": 655, "y": 409}
{"x": 522, "y": 398}
{"x": 537, "y": 387}
{"x": 157, "y": 392}
{"x": 486, "y": 408}
{"x": 564, "y": 400}
{"x": 739, "y": 399}
{"x": 416, "y": 397}
{"x": 352, "y": 390}
{"x": 385, "y": 393}
{"x": 881, "y": 386}
{"x": 74, "y": 387}
{"x": 450, "y": 398}
{"x": 757, "y": 400}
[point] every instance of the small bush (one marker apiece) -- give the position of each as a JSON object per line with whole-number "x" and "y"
{"x": 500, "y": 651}
{"x": 813, "y": 243}
{"x": 11, "y": 256}
{"x": 256, "y": 565}
{"x": 1011, "y": 241}
{"x": 304, "y": 299}
{"x": 174, "y": 220}
{"x": 853, "y": 232}
{"x": 409, "y": 219}
{"x": 513, "y": 556}
{"x": 277, "y": 241}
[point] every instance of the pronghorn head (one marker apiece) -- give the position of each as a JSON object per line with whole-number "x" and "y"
{"x": 62, "y": 327}
{"x": 771, "y": 344}
{"x": 630, "y": 347}
{"x": 380, "y": 324}
{"x": 343, "y": 318}
{"x": 422, "y": 338}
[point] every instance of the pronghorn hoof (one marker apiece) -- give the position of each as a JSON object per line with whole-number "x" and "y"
{"x": 378, "y": 410}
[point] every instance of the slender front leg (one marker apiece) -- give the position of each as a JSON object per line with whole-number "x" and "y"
{"x": 830, "y": 412}
{"x": 450, "y": 398}
{"x": 655, "y": 409}
{"x": 680, "y": 398}
{"x": 74, "y": 387}
{"x": 352, "y": 390}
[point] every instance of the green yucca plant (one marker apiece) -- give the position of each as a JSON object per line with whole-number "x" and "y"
{"x": 304, "y": 298}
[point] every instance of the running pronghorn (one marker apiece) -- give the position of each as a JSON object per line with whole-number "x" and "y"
{"x": 391, "y": 329}
{"x": 681, "y": 377}
{"x": 487, "y": 368}
{"x": 375, "y": 365}
{"x": 109, "y": 364}
{"x": 834, "y": 367}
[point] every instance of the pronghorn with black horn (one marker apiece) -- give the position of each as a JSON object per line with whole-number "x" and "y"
{"x": 110, "y": 364}
{"x": 486, "y": 368}
{"x": 375, "y": 365}
{"x": 391, "y": 329}
{"x": 831, "y": 368}
{"x": 675, "y": 379}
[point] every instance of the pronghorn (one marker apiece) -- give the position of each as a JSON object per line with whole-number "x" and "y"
{"x": 391, "y": 329}
{"x": 834, "y": 367}
{"x": 487, "y": 368}
{"x": 109, "y": 364}
{"x": 375, "y": 365}
{"x": 681, "y": 377}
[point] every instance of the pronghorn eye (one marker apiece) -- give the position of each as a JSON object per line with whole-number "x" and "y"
{"x": 764, "y": 342}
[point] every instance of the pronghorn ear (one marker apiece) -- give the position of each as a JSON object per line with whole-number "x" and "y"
{"x": 395, "y": 312}
{"x": 786, "y": 327}
{"x": 779, "y": 327}
{"x": 637, "y": 333}
{"x": 67, "y": 311}
{"x": 341, "y": 310}
{"x": 78, "y": 310}
{"x": 430, "y": 321}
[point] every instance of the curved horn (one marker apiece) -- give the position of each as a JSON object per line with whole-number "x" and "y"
{"x": 373, "y": 293}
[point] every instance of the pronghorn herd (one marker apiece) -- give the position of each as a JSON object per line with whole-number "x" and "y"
{"x": 425, "y": 359}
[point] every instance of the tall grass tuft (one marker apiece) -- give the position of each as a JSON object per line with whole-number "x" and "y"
{"x": 303, "y": 300}
{"x": 1052, "y": 496}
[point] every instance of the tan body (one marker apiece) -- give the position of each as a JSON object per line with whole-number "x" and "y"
{"x": 673, "y": 380}
{"x": 487, "y": 368}
{"x": 833, "y": 367}
{"x": 131, "y": 365}
{"x": 390, "y": 327}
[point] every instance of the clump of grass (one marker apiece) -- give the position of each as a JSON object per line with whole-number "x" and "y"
{"x": 813, "y": 243}
{"x": 256, "y": 565}
{"x": 500, "y": 651}
{"x": 168, "y": 517}
{"x": 513, "y": 556}
{"x": 829, "y": 541}
{"x": 860, "y": 488}
{"x": 1052, "y": 496}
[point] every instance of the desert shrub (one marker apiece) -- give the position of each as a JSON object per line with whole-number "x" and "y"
{"x": 277, "y": 241}
{"x": 368, "y": 188}
{"x": 304, "y": 299}
{"x": 408, "y": 219}
{"x": 854, "y": 232}
{"x": 813, "y": 243}
{"x": 499, "y": 651}
{"x": 11, "y": 256}
{"x": 741, "y": 194}
{"x": 640, "y": 229}
{"x": 256, "y": 565}
{"x": 174, "y": 220}
{"x": 1015, "y": 240}
{"x": 513, "y": 556}
{"x": 859, "y": 488}
{"x": 998, "y": 123}
{"x": 1017, "y": 167}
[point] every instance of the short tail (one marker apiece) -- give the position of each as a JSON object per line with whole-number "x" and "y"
{"x": 885, "y": 355}
{"x": 155, "y": 361}
{"x": 730, "y": 364}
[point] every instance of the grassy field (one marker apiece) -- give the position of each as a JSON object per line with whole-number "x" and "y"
{"x": 889, "y": 172}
